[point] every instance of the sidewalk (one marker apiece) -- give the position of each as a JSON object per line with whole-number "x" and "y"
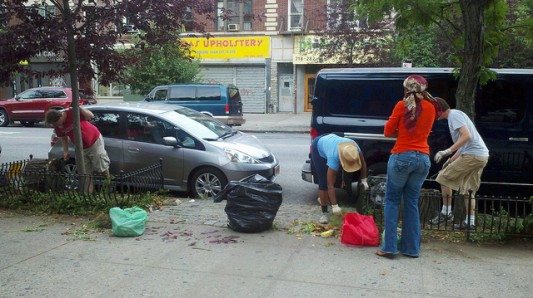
{"x": 187, "y": 251}
{"x": 278, "y": 122}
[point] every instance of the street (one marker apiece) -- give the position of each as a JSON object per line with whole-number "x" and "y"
{"x": 291, "y": 149}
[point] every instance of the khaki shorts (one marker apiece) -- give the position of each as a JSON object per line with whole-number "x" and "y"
{"x": 464, "y": 173}
{"x": 96, "y": 159}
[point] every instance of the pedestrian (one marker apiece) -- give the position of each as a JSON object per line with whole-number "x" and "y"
{"x": 461, "y": 172}
{"x": 94, "y": 153}
{"x": 410, "y": 122}
{"x": 330, "y": 154}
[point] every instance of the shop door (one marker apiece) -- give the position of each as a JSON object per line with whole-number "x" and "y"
{"x": 309, "y": 87}
{"x": 285, "y": 91}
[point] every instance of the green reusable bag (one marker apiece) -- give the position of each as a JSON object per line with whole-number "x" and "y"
{"x": 129, "y": 222}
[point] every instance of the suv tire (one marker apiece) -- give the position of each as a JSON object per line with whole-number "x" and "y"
{"x": 4, "y": 118}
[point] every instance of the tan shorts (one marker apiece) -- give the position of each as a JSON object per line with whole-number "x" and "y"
{"x": 464, "y": 173}
{"x": 96, "y": 159}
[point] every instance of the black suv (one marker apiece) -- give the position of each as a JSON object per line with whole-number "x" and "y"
{"x": 356, "y": 103}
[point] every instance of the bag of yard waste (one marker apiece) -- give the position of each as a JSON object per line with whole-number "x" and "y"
{"x": 252, "y": 203}
{"x": 129, "y": 222}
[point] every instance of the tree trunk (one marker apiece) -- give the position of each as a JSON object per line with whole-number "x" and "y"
{"x": 73, "y": 70}
{"x": 473, "y": 20}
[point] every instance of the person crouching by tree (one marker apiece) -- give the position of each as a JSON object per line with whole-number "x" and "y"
{"x": 94, "y": 153}
{"x": 329, "y": 154}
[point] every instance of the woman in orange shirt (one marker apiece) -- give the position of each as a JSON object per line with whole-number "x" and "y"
{"x": 410, "y": 122}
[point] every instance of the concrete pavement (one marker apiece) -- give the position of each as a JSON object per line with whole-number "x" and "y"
{"x": 279, "y": 122}
{"x": 187, "y": 251}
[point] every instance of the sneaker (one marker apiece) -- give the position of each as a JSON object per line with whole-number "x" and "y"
{"x": 441, "y": 218}
{"x": 464, "y": 226}
{"x": 336, "y": 209}
{"x": 324, "y": 219}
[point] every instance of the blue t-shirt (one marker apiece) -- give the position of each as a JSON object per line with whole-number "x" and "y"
{"x": 328, "y": 148}
{"x": 476, "y": 146}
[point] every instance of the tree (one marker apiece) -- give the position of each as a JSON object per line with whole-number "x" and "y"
{"x": 472, "y": 27}
{"x": 160, "y": 65}
{"x": 87, "y": 34}
{"x": 350, "y": 39}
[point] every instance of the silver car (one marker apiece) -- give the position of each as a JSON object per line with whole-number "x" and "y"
{"x": 200, "y": 154}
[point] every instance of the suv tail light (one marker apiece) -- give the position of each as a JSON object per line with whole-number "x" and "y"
{"x": 53, "y": 139}
{"x": 227, "y": 108}
{"x": 314, "y": 133}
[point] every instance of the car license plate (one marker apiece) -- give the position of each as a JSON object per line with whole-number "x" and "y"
{"x": 276, "y": 170}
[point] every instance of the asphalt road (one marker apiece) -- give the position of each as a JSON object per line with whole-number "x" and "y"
{"x": 291, "y": 149}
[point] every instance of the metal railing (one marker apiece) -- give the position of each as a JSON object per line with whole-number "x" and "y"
{"x": 497, "y": 216}
{"x": 31, "y": 180}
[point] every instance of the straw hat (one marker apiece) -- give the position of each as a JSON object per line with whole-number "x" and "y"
{"x": 349, "y": 157}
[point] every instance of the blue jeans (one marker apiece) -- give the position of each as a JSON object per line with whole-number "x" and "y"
{"x": 406, "y": 172}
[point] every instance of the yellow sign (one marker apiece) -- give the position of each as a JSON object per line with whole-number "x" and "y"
{"x": 24, "y": 62}
{"x": 241, "y": 47}
{"x": 309, "y": 49}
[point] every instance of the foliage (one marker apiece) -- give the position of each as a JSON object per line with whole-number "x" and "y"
{"x": 423, "y": 47}
{"x": 350, "y": 39}
{"x": 98, "y": 31}
{"x": 517, "y": 48}
{"x": 472, "y": 28}
{"x": 74, "y": 203}
{"x": 160, "y": 65}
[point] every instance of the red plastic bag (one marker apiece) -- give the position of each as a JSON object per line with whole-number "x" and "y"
{"x": 359, "y": 229}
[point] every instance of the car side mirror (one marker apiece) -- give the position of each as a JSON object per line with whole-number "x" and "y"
{"x": 170, "y": 141}
{"x": 17, "y": 98}
{"x": 147, "y": 99}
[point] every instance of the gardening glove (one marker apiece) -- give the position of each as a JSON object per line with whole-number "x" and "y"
{"x": 364, "y": 182}
{"x": 442, "y": 154}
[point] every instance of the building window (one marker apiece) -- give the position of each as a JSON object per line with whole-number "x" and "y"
{"x": 234, "y": 15}
{"x": 296, "y": 15}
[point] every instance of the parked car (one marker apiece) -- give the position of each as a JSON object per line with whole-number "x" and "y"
{"x": 223, "y": 102}
{"x": 200, "y": 154}
{"x": 356, "y": 103}
{"x": 30, "y": 106}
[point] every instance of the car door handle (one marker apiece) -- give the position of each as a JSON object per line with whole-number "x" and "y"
{"x": 131, "y": 149}
{"x": 519, "y": 139}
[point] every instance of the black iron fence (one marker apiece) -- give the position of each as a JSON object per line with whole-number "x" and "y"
{"x": 33, "y": 181}
{"x": 496, "y": 216}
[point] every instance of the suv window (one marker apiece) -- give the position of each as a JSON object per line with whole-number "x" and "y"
{"x": 501, "y": 102}
{"x": 208, "y": 93}
{"x": 160, "y": 94}
{"x": 47, "y": 93}
{"x": 182, "y": 93}
{"x": 107, "y": 123}
{"x": 30, "y": 94}
{"x": 361, "y": 97}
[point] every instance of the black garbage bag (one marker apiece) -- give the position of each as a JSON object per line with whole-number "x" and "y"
{"x": 252, "y": 203}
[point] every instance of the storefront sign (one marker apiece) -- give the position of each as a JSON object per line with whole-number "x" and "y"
{"x": 309, "y": 49}
{"x": 229, "y": 47}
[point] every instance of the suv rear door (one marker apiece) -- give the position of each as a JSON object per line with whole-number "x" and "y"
{"x": 234, "y": 102}
{"x": 502, "y": 119}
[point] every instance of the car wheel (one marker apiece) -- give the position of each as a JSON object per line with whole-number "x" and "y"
{"x": 206, "y": 183}
{"x": 4, "y": 118}
{"x": 27, "y": 123}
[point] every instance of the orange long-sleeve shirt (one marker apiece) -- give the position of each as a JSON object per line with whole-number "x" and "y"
{"x": 415, "y": 140}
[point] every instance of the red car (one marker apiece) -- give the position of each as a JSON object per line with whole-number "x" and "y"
{"x": 29, "y": 106}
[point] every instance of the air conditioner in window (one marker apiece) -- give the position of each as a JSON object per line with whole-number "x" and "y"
{"x": 233, "y": 27}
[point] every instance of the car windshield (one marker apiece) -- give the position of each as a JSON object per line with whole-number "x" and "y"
{"x": 200, "y": 125}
